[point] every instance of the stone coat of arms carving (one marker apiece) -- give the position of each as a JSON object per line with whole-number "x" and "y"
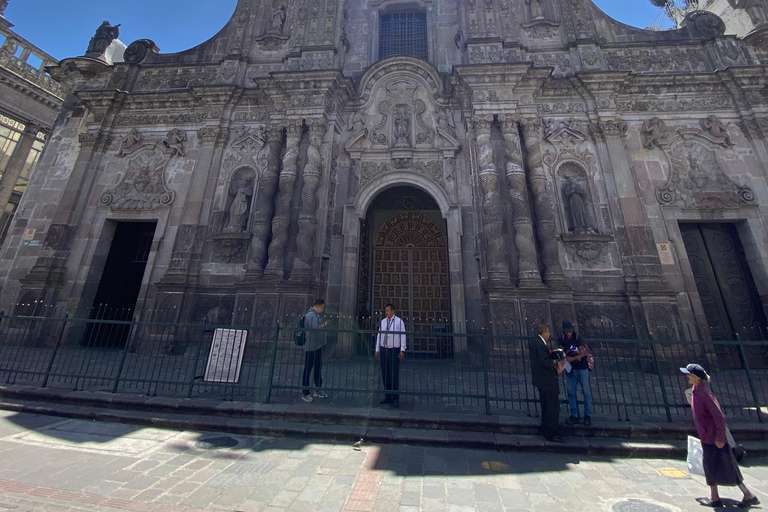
{"x": 143, "y": 186}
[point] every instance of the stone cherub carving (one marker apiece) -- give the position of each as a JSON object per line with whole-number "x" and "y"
{"x": 104, "y": 36}
{"x": 131, "y": 139}
{"x": 278, "y": 19}
{"x": 536, "y": 12}
{"x": 175, "y": 141}
{"x": 654, "y": 133}
{"x": 238, "y": 210}
{"x": 577, "y": 202}
{"x": 716, "y": 128}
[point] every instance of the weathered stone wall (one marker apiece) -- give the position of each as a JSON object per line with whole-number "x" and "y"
{"x": 562, "y": 149}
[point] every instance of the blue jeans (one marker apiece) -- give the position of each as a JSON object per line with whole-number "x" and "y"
{"x": 574, "y": 378}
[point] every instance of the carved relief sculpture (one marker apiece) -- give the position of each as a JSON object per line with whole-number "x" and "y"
{"x": 305, "y": 240}
{"x": 142, "y": 187}
{"x": 717, "y": 129}
{"x": 278, "y": 19}
{"x": 131, "y": 139}
{"x": 654, "y": 133}
{"x": 175, "y": 141}
{"x": 493, "y": 228}
{"x": 698, "y": 180}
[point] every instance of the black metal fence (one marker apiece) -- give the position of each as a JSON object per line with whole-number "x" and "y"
{"x": 486, "y": 374}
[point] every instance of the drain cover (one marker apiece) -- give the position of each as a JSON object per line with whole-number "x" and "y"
{"x": 214, "y": 443}
{"x": 638, "y": 506}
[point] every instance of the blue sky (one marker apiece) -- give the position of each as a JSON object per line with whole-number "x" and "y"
{"x": 64, "y": 31}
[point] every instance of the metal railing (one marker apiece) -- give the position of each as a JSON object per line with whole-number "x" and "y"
{"x": 487, "y": 373}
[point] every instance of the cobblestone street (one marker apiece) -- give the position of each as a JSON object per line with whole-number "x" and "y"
{"x": 50, "y": 464}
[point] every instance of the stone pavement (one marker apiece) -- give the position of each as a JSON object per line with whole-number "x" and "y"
{"x": 55, "y": 465}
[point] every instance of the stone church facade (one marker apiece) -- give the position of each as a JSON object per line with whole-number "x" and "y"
{"x": 487, "y": 164}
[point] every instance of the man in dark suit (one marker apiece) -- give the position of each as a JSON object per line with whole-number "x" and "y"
{"x": 544, "y": 372}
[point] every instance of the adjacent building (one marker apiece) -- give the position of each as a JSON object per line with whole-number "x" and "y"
{"x": 29, "y": 102}
{"x": 482, "y": 165}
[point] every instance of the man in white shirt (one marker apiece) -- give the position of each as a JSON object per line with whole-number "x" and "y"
{"x": 390, "y": 350}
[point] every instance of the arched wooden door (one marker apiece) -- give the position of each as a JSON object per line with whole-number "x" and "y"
{"x": 410, "y": 270}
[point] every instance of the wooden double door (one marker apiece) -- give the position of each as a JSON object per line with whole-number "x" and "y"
{"x": 410, "y": 270}
{"x": 724, "y": 281}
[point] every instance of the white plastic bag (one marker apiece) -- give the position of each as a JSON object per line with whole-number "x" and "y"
{"x": 695, "y": 456}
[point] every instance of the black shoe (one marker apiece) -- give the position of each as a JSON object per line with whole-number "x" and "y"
{"x": 709, "y": 503}
{"x": 573, "y": 420}
{"x": 751, "y": 502}
{"x": 587, "y": 421}
{"x": 555, "y": 439}
{"x": 386, "y": 401}
{"x": 395, "y": 404}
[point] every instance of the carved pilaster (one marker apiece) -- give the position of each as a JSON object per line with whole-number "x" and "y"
{"x": 546, "y": 229}
{"x": 265, "y": 199}
{"x": 282, "y": 219}
{"x": 518, "y": 195}
{"x": 307, "y": 216}
{"x": 493, "y": 229}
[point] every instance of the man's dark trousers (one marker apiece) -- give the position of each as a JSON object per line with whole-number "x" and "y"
{"x": 390, "y": 371}
{"x": 550, "y": 413}
{"x": 312, "y": 359}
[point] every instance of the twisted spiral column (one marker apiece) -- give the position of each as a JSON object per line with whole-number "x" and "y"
{"x": 265, "y": 198}
{"x": 307, "y": 215}
{"x": 493, "y": 228}
{"x": 545, "y": 216}
{"x": 282, "y": 219}
{"x": 521, "y": 211}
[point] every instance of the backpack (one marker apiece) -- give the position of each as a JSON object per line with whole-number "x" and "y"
{"x": 300, "y": 336}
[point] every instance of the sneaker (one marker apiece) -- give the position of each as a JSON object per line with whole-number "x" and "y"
{"x": 572, "y": 420}
{"x": 587, "y": 421}
{"x": 320, "y": 394}
{"x": 307, "y": 398}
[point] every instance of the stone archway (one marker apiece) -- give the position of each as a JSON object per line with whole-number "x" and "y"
{"x": 404, "y": 261}
{"x": 355, "y": 218}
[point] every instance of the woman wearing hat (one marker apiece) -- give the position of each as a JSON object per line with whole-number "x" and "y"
{"x": 720, "y": 466}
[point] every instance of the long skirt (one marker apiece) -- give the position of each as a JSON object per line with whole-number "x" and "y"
{"x": 720, "y": 467}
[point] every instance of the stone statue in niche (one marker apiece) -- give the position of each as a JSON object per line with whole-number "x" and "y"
{"x": 402, "y": 116}
{"x": 716, "y": 128}
{"x": 241, "y": 189}
{"x": 104, "y": 36}
{"x": 536, "y": 12}
{"x": 577, "y": 200}
{"x": 278, "y": 19}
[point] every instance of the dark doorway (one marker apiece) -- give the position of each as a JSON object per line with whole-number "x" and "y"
{"x": 405, "y": 262}
{"x": 120, "y": 284}
{"x": 724, "y": 281}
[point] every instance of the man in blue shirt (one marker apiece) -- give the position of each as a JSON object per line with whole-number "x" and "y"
{"x": 313, "y": 350}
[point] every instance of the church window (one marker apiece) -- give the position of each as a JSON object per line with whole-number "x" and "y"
{"x": 403, "y": 33}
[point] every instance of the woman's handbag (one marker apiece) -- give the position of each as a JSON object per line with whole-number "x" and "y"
{"x": 695, "y": 457}
{"x": 590, "y": 358}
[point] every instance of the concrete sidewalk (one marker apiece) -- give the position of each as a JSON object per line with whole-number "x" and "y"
{"x": 320, "y": 420}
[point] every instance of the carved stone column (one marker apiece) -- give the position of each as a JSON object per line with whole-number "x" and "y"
{"x": 521, "y": 211}
{"x": 546, "y": 229}
{"x": 493, "y": 227}
{"x": 307, "y": 216}
{"x": 265, "y": 199}
{"x": 282, "y": 219}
